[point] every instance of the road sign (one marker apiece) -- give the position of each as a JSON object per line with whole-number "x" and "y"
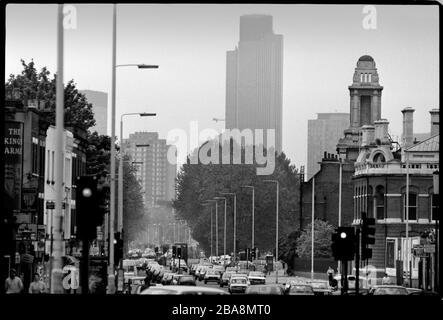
{"x": 50, "y": 205}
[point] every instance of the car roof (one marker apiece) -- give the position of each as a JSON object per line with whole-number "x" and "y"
{"x": 184, "y": 289}
{"x": 388, "y": 286}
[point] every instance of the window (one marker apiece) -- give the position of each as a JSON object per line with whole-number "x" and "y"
{"x": 370, "y": 203}
{"x": 380, "y": 202}
{"x": 434, "y": 207}
{"x": 412, "y": 206}
{"x": 369, "y": 79}
{"x": 361, "y": 77}
{"x": 379, "y": 157}
{"x": 34, "y": 155}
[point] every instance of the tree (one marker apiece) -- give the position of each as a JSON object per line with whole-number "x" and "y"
{"x": 98, "y": 153}
{"x": 199, "y": 182}
{"x": 322, "y": 240}
{"x": 287, "y": 248}
{"x": 30, "y": 85}
{"x": 133, "y": 207}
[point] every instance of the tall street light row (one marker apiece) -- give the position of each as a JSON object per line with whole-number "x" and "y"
{"x": 235, "y": 219}
{"x": 111, "y": 276}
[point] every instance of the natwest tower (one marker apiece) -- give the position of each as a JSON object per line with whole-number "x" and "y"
{"x": 365, "y": 106}
{"x": 254, "y": 78}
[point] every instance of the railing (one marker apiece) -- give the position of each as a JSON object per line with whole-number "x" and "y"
{"x": 395, "y": 168}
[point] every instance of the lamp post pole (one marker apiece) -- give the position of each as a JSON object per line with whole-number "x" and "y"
{"x": 276, "y": 228}
{"x": 120, "y": 170}
{"x": 56, "y": 260}
{"x": 235, "y": 221}
{"x": 253, "y": 217}
{"x": 224, "y": 229}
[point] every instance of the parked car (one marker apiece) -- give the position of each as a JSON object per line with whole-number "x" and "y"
{"x": 388, "y": 290}
{"x": 420, "y": 292}
{"x": 266, "y": 289}
{"x": 183, "y": 290}
{"x": 202, "y": 272}
{"x": 212, "y": 276}
{"x": 256, "y": 277}
{"x": 186, "y": 280}
{"x": 300, "y": 289}
{"x": 238, "y": 284}
{"x": 224, "y": 279}
{"x": 321, "y": 288}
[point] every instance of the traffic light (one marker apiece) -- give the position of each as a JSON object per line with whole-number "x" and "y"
{"x": 343, "y": 244}
{"x": 86, "y": 202}
{"x": 179, "y": 252}
{"x": 367, "y": 236}
{"x": 174, "y": 251}
{"x": 118, "y": 248}
{"x": 253, "y": 254}
{"x": 248, "y": 253}
{"x": 103, "y": 201}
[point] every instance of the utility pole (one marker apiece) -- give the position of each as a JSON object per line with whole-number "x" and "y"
{"x": 56, "y": 270}
{"x": 111, "y": 276}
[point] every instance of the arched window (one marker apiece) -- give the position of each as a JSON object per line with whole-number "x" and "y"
{"x": 379, "y": 157}
{"x": 380, "y": 202}
{"x": 370, "y": 203}
{"x": 412, "y": 206}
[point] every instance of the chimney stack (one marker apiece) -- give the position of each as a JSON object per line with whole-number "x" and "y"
{"x": 381, "y": 130}
{"x": 408, "y": 127}
{"x": 367, "y": 135}
{"x": 435, "y": 121}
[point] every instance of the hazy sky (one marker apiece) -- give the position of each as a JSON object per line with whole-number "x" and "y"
{"x": 322, "y": 44}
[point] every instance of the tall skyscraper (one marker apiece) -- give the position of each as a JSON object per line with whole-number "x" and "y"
{"x": 323, "y": 135}
{"x": 156, "y": 174}
{"x": 254, "y": 78}
{"x": 99, "y": 102}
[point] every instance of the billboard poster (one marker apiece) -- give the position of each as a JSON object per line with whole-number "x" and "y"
{"x": 13, "y": 164}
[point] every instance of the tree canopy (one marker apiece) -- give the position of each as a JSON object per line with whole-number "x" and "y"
{"x": 199, "y": 182}
{"x": 322, "y": 240}
{"x": 31, "y": 85}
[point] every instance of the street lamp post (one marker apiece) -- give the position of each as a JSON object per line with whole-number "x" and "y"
{"x": 212, "y": 201}
{"x": 276, "y": 228}
{"x": 111, "y": 275}
{"x": 224, "y": 229}
{"x": 235, "y": 221}
{"x": 120, "y": 171}
{"x": 253, "y": 219}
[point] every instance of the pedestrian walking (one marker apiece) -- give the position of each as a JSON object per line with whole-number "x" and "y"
{"x": 37, "y": 286}
{"x": 13, "y": 284}
{"x": 330, "y": 274}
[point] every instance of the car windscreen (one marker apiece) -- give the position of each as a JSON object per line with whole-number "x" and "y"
{"x": 300, "y": 289}
{"x": 238, "y": 281}
{"x": 186, "y": 278}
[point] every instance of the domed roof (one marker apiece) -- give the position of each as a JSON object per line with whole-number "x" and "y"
{"x": 365, "y": 58}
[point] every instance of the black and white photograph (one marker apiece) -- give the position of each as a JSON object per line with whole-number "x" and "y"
{"x": 221, "y": 149}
